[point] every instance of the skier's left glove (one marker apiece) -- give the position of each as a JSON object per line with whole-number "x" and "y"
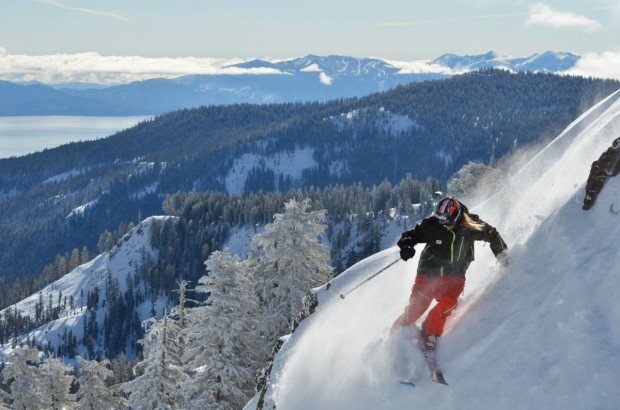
{"x": 503, "y": 258}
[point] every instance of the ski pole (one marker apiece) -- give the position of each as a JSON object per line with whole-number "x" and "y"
{"x": 391, "y": 264}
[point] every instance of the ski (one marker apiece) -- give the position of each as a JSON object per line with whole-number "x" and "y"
{"x": 431, "y": 361}
{"x": 437, "y": 377}
{"x": 408, "y": 382}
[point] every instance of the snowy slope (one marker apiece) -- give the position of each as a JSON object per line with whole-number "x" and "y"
{"x": 120, "y": 262}
{"x": 283, "y": 165}
{"x": 544, "y": 333}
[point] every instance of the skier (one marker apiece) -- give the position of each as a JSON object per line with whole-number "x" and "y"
{"x": 449, "y": 234}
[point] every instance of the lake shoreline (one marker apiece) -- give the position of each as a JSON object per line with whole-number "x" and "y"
{"x": 23, "y": 135}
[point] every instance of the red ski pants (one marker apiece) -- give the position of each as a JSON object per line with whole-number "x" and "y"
{"x": 445, "y": 289}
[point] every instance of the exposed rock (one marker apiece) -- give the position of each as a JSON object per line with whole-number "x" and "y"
{"x": 608, "y": 165}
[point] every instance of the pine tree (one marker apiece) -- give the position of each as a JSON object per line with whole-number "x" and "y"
{"x": 159, "y": 385}
{"x": 224, "y": 336}
{"x": 74, "y": 260}
{"x": 121, "y": 369}
{"x": 93, "y": 393}
{"x": 26, "y": 392}
{"x": 56, "y": 384}
{"x": 289, "y": 260}
{"x": 85, "y": 255}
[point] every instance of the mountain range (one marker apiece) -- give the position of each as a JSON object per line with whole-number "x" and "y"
{"x": 309, "y": 78}
{"x": 549, "y": 62}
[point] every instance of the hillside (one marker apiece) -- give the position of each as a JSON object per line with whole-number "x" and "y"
{"x": 428, "y": 129}
{"x": 542, "y": 333}
{"x": 102, "y": 307}
{"x": 95, "y": 310}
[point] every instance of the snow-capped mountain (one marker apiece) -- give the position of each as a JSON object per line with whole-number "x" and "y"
{"x": 549, "y": 61}
{"x": 80, "y": 300}
{"x": 309, "y": 78}
{"x": 332, "y": 66}
{"x": 541, "y": 333}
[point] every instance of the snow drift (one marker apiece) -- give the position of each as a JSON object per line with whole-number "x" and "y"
{"x": 543, "y": 333}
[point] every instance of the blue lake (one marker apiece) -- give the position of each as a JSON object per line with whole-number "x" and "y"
{"x": 25, "y": 135}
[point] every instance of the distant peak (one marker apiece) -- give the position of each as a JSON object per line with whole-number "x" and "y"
{"x": 257, "y": 63}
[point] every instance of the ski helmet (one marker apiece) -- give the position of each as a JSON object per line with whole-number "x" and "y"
{"x": 448, "y": 211}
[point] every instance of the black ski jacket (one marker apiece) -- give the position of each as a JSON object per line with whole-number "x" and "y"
{"x": 449, "y": 252}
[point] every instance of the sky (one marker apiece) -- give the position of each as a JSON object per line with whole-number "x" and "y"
{"x": 212, "y": 33}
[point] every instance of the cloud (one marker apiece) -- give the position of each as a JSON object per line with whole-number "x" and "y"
{"x": 325, "y": 79}
{"x": 419, "y": 67}
{"x": 602, "y": 65}
{"x": 447, "y": 21}
{"x": 83, "y": 10}
{"x": 543, "y": 15}
{"x": 95, "y": 68}
{"x": 611, "y": 7}
{"x": 312, "y": 68}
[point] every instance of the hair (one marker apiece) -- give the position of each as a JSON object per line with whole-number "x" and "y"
{"x": 470, "y": 224}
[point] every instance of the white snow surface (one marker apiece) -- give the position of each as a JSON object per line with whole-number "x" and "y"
{"x": 142, "y": 168}
{"x": 64, "y": 176}
{"x": 121, "y": 261}
{"x": 543, "y": 333}
{"x": 386, "y": 121}
{"x": 286, "y": 163}
{"x": 79, "y": 211}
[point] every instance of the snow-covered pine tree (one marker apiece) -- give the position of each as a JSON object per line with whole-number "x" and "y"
{"x": 93, "y": 393}
{"x": 56, "y": 384}
{"x": 26, "y": 388}
{"x": 158, "y": 387}
{"x": 289, "y": 260}
{"x": 4, "y": 399}
{"x": 122, "y": 369}
{"x": 223, "y": 337}
{"x": 4, "y": 395}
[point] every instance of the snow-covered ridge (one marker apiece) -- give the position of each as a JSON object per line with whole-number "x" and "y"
{"x": 142, "y": 168}
{"x": 64, "y": 176}
{"x": 120, "y": 262}
{"x": 381, "y": 119}
{"x": 548, "y": 61}
{"x": 80, "y": 210}
{"x": 546, "y": 328}
{"x": 286, "y": 164}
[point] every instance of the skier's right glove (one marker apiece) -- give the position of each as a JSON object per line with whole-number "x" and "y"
{"x": 407, "y": 252}
{"x": 405, "y": 241}
{"x": 406, "y": 245}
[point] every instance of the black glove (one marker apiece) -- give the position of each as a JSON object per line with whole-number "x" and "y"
{"x": 406, "y": 252}
{"x": 405, "y": 241}
{"x": 406, "y": 245}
